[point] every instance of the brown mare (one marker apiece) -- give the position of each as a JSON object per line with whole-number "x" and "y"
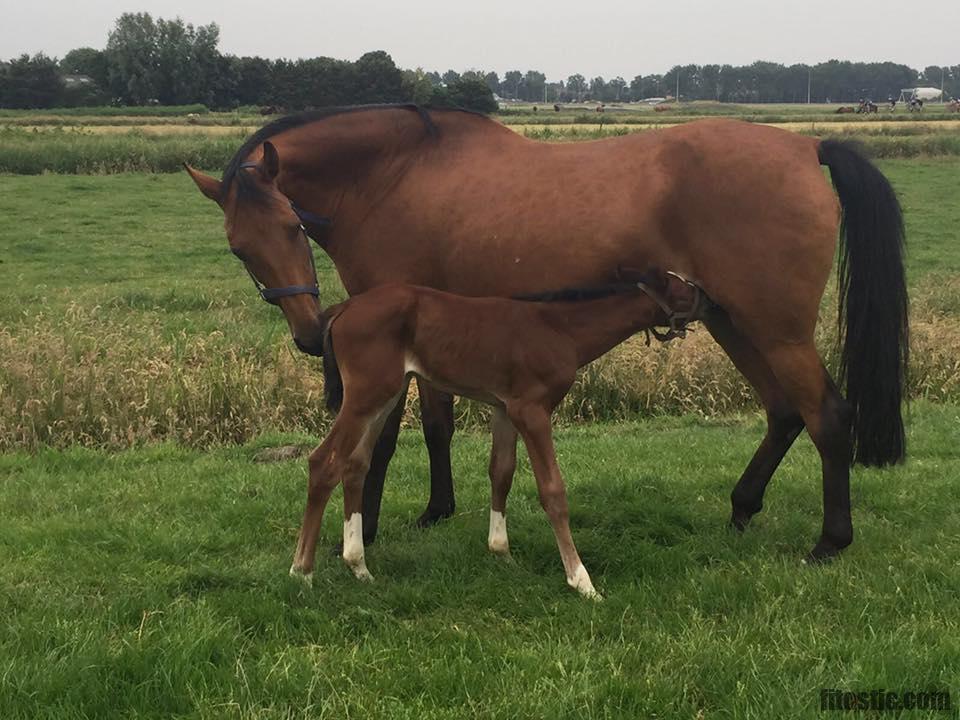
{"x": 519, "y": 356}
{"x": 456, "y": 201}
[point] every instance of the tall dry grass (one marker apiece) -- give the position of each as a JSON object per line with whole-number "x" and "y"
{"x": 100, "y": 379}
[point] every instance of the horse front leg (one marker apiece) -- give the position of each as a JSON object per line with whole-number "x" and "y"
{"x": 436, "y": 412}
{"x": 379, "y": 462}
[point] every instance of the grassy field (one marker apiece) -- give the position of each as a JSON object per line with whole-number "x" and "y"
{"x": 125, "y": 319}
{"x": 143, "y": 552}
{"x": 110, "y": 140}
{"x": 152, "y": 583}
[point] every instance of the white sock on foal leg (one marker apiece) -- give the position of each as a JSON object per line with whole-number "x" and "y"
{"x": 306, "y": 578}
{"x": 580, "y": 581}
{"x": 497, "y": 537}
{"x": 353, "y": 547}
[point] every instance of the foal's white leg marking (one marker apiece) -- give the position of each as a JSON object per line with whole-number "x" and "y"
{"x": 353, "y": 547}
{"x": 306, "y": 578}
{"x": 497, "y": 537}
{"x": 580, "y": 581}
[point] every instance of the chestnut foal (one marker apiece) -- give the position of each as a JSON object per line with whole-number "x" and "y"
{"x": 518, "y": 355}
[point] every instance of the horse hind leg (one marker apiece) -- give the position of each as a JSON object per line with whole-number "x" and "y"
{"x": 784, "y": 422}
{"x": 828, "y": 419}
{"x": 533, "y": 423}
{"x": 503, "y": 463}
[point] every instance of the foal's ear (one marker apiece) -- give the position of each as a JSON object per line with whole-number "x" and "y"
{"x": 270, "y": 164}
{"x": 209, "y": 186}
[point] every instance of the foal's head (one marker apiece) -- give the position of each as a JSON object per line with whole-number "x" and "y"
{"x": 266, "y": 235}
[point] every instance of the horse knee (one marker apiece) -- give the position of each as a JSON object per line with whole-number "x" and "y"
{"x": 553, "y": 500}
{"x": 502, "y": 468}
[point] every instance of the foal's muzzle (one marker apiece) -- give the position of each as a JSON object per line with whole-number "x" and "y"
{"x": 313, "y": 348}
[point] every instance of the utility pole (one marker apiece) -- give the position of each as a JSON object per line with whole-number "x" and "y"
{"x": 941, "y": 85}
{"x": 809, "y": 73}
{"x": 678, "y": 85}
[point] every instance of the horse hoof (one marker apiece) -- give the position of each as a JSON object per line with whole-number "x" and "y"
{"x": 430, "y": 517}
{"x": 298, "y": 574}
{"x": 822, "y": 553}
{"x": 362, "y": 574}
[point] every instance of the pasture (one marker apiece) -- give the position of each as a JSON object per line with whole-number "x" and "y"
{"x": 143, "y": 552}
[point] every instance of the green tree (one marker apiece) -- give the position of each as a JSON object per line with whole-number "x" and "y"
{"x": 616, "y": 87}
{"x": 87, "y": 61}
{"x": 378, "y": 79}
{"x": 576, "y": 86}
{"x": 30, "y": 82}
{"x": 417, "y": 86}
{"x": 254, "y": 81}
{"x": 469, "y": 94}
{"x": 132, "y": 58}
{"x": 534, "y": 84}
{"x": 511, "y": 84}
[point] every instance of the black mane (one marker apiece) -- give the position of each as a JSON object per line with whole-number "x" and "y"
{"x": 247, "y": 189}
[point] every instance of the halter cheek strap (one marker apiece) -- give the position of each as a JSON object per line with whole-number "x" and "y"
{"x": 271, "y": 295}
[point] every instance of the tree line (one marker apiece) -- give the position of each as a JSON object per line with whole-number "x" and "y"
{"x": 169, "y": 62}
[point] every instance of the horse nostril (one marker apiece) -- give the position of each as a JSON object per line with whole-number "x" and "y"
{"x": 315, "y": 350}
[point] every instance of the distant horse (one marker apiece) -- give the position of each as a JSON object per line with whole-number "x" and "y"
{"x": 845, "y": 110}
{"x": 458, "y": 202}
{"x": 517, "y": 355}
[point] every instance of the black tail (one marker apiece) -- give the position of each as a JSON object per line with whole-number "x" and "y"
{"x": 872, "y": 313}
{"x": 332, "y": 381}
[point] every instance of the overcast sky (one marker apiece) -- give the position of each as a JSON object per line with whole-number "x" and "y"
{"x": 560, "y": 37}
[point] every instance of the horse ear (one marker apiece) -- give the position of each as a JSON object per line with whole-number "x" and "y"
{"x": 209, "y": 186}
{"x": 270, "y": 164}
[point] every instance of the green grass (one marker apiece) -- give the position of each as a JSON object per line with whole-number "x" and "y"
{"x": 151, "y": 245}
{"x": 144, "y": 111}
{"x": 73, "y": 151}
{"x": 125, "y": 320}
{"x": 152, "y": 583}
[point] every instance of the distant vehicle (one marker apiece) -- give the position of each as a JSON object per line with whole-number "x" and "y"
{"x": 919, "y": 93}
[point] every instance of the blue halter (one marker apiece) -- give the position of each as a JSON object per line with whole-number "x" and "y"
{"x": 271, "y": 295}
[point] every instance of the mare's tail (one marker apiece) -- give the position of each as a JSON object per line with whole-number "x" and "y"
{"x": 872, "y": 313}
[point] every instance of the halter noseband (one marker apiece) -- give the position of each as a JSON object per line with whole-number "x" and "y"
{"x": 271, "y": 295}
{"x": 677, "y": 320}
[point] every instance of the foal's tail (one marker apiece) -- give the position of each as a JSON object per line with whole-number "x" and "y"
{"x": 872, "y": 313}
{"x": 332, "y": 381}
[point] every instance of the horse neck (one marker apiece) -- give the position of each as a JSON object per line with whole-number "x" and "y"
{"x": 348, "y": 167}
{"x": 596, "y": 326}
